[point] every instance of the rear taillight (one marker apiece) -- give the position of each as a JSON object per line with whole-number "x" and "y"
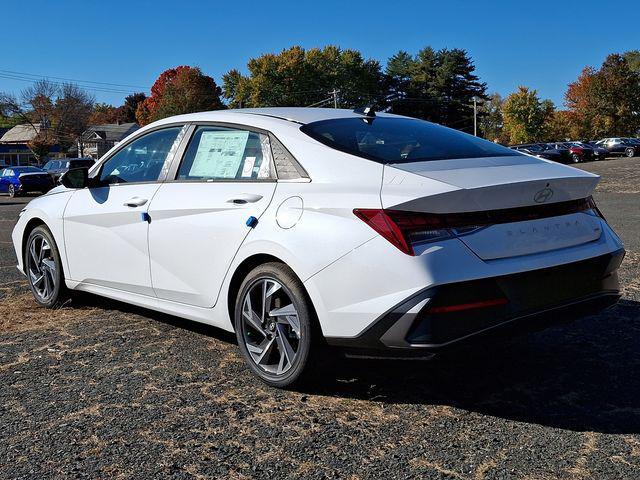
{"x": 406, "y": 229}
{"x": 592, "y": 206}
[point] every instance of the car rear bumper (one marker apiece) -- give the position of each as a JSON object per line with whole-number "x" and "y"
{"x": 449, "y": 315}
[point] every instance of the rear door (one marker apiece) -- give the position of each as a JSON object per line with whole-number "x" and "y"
{"x": 105, "y": 227}
{"x": 199, "y": 216}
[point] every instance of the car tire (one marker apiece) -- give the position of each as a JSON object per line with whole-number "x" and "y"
{"x": 12, "y": 191}
{"x": 277, "y": 348}
{"x": 43, "y": 268}
{"x": 575, "y": 158}
{"x": 630, "y": 152}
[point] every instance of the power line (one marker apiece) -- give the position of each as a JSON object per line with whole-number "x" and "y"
{"x": 321, "y": 102}
{"x": 86, "y": 87}
{"x": 73, "y": 79}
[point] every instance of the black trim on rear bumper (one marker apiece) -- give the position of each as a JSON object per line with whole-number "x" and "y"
{"x": 536, "y": 300}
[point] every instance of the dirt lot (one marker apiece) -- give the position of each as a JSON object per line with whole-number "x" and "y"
{"x": 102, "y": 390}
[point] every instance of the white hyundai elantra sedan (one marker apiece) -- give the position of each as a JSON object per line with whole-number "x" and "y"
{"x": 301, "y": 227}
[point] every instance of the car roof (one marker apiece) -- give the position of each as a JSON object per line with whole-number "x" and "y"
{"x": 297, "y": 115}
{"x": 306, "y": 115}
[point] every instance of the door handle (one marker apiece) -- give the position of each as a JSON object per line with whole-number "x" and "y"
{"x": 245, "y": 198}
{"x": 135, "y": 202}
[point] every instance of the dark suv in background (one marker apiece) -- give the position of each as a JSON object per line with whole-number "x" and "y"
{"x": 55, "y": 168}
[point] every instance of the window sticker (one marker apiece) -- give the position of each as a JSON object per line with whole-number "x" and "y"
{"x": 265, "y": 146}
{"x": 219, "y": 154}
{"x": 247, "y": 169}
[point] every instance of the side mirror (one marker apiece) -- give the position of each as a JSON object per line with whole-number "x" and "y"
{"x": 75, "y": 178}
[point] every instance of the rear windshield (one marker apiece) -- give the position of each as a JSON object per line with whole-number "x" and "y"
{"x": 401, "y": 140}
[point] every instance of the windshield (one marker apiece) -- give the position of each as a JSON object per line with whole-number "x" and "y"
{"x": 401, "y": 140}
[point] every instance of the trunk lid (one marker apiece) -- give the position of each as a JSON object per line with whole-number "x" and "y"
{"x": 497, "y": 183}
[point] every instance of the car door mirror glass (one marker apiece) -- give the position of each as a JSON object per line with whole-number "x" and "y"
{"x": 75, "y": 178}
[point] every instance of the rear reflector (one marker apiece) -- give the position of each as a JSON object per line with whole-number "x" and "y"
{"x": 406, "y": 229}
{"x": 469, "y": 306}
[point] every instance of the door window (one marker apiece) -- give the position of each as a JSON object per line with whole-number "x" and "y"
{"x": 217, "y": 153}
{"x": 141, "y": 160}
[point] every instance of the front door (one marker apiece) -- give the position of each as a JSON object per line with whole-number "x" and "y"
{"x": 199, "y": 218}
{"x": 106, "y": 226}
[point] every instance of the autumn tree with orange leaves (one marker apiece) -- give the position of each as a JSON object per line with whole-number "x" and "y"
{"x": 605, "y": 102}
{"x": 179, "y": 90}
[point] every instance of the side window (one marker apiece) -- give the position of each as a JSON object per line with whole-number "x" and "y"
{"x": 218, "y": 153}
{"x": 141, "y": 160}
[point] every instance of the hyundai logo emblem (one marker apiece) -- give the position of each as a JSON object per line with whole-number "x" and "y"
{"x": 543, "y": 195}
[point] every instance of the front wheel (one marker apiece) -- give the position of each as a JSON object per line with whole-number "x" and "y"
{"x": 575, "y": 158}
{"x": 44, "y": 269}
{"x": 630, "y": 152}
{"x": 12, "y": 191}
{"x": 273, "y": 323}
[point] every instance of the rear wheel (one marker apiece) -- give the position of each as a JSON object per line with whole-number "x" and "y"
{"x": 273, "y": 323}
{"x": 630, "y": 152}
{"x": 12, "y": 191}
{"x": 575, "y": 158}
{"x": 44, "y": 269}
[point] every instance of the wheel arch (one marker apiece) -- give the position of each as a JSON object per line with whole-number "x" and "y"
{"x": 28, "y": 228}
{"x": 243, "y": 269}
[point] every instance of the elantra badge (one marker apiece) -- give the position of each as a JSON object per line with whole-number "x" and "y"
{"x": 543, "y": 195}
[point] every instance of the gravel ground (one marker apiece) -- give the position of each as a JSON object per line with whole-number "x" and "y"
{"x": 99, "y": 389}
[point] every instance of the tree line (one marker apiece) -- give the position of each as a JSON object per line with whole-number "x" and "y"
{"x": 435, "y": 85}
{"x": 602, "y": 102}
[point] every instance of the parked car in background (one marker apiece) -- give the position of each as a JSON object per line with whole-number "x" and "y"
{"x": 542, "y": 150}
{"x": 55, "y": 168}
{"x": 578, "y": 153}
{"x": 20, "y": 180}
{"x": 295, "y": 227}
{"x": 619, "y": 146}
{"x": 599, "y": 153}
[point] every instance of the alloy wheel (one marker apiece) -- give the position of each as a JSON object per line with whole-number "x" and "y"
{"x": 630, "y": 152}
{"x": 271, "y": 327}
{"x": 42, "y": 268}
{"x": 12, "y": 191}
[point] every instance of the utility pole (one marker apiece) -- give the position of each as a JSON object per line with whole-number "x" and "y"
{"x": 475, "y": 116}
{"x": 335, "y": 97}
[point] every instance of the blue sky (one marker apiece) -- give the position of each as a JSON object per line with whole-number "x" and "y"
{"x": 542, "y": 44}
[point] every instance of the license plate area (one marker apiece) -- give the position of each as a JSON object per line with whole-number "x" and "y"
{"x": 534, "y": 236}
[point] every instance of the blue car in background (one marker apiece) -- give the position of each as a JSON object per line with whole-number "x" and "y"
{"x": 20, "y": 180}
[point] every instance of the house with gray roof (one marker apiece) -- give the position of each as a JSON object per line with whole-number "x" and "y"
{"x": 14, "y": 149}
{"x": 98, "y": 139}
